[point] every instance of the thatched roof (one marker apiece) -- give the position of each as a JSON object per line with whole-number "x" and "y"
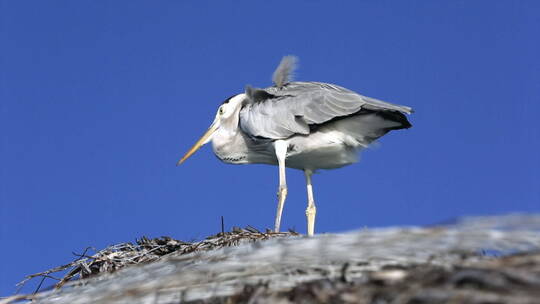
{"x": 475, "y": 260}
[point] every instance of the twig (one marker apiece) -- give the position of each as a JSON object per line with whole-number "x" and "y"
{"x": 39, "y": 285}
{"x": 145, "y": 250}
{"x": 222, "y": 226}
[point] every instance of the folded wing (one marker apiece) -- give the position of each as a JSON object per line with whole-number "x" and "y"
{"x": 279, "y": 113}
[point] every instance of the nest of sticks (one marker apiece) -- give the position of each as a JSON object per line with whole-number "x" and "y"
{"x": 145, "y": 250}
{"x": 477, "y": 260}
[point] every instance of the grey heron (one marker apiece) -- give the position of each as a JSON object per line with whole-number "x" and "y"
{"x": 300, "y": 125}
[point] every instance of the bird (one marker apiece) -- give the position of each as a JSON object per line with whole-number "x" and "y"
{"x": 300, "y": 125}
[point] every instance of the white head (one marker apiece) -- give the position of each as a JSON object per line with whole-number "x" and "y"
{"x": 226, "y": 120}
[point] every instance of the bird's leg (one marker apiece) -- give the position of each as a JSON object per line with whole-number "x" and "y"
{"x": 311, "y": 209}
{"x": 281, "y": 153}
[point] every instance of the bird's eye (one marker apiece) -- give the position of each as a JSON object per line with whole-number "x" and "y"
{"x": 221, "y": 111}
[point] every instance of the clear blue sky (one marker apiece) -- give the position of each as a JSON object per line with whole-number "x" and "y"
{"x": 99, "y": 99}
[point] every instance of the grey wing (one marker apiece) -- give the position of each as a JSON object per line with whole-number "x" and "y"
{"x": 279, "y": 113}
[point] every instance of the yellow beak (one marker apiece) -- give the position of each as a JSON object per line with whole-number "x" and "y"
{"x": 203, "y": 140}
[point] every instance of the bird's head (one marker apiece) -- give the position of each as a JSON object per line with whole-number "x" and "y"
{"x": 226, "y": 119}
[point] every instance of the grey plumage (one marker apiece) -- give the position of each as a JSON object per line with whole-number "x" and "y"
{"x": 301, "y": 125}
{"x": 299, "y": 105}
{"x": 284, "y": 72}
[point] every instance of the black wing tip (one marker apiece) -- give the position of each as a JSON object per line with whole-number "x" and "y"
{"x": 397, "y": 117}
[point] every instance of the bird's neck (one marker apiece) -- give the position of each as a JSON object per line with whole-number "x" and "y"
{"x": 228, "y": 133}
{"x": 229, "y": 125}
{"x": 229, "y": 145}
{"x": 228, "y": 142}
